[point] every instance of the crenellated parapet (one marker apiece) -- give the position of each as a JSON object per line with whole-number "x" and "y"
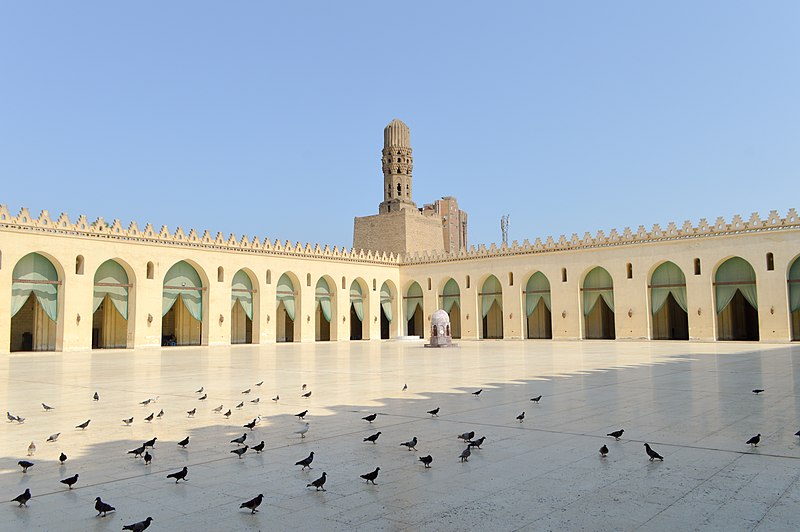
{"x": 101, "y": 229}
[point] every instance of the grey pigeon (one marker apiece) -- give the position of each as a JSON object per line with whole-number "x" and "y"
{"x": 200, "y": 390}
{"x": 477, "y": 443}
{"x": 754, "y": 440}
{"x": 128, "y": 421}
{"x": 652, "y": 454}
{"x": 147, "y": 458}
{"x": 160, "y": 414}
{"x": 434, "y": 412}
{"x": 246, "y": 391}
{"x": 191, "y": 412}
{"x": 426, "y": 460}
{"x": 150, "y": 417}
{"x": 53, "y": 437}
{"x": 617, "y": 434}
{"x": 405, "y": 387}
{"x": 102, "y": 507}
{"x": 603, "y": 451}
{"x": 180, "y": 475}
{"x": 371, "y": 476}
{"x": 46, "y": 407}
{"x": 140, "y": 526}
{"x": 70, "y": 481}
{"x": 521, "y": 417}
{"x": 536, "y": 399}
{"x": 240, "y": 439}
{"x": 302, "y": 414}
{"x": 254, "y": 503}
{"x": 467, "y": 435}
{"x": 256, "y": 400}
{"x": 240, "y": 451}
{"x": 258, "y": 448}
{"x": 23, "y": 498}
{"x": 465, "y": 454}
{"x": 203, "y": 397}
{"x": 83, "y": 425}
{"x": 306, "y": 462}
{"x": 319, "y": 483}
{"x": 373, "y": 438}
{"x": 476, "y": 394}
{"x": 217, "y": 410}
{"x": 307, "y": 395}
{"x": 11, "y": 417}
{"x": 146, "y": 402}
{"x": 276, "y": 398}
{"x": 757, "y": 391}
{"x": 62, "y": 458}
{"x": 250, "y": 425}
{"x": 797, "y": 433}
{"x": 24, "y": 464}
{"x": 227, "y": 414}
{"x": 137, "y": 452}
{"x": 96, "y": 396}
{"x": 150, "y": 443}
{"x": 370, "y": 417}
{"x": 259, "y": 383}
{"x": 412, "y": 444}
{"x": 240, "y": 405}
{"x": 304, "y": 387}
{"x": 184, "y": 442}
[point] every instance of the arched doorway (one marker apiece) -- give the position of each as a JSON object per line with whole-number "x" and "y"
{"x": 415, "y": 324}
{"x": 668, "y": 303}
{"x": 492, "y": 308}
{"x": 182, "y": 306}
{"x": 736, "y": 301}
{"x": 34, "y": 304}
{"x": 794, "y": 297}
{"x": 387, "y": 303}
{"x": 110, "y": 319}
{"x": 451, "y": 303}
{"x": 323, "y": 311}
{"x": 357, "y": 322}
{"x": 286, "y": 303}
{"x": 598, "y": 305}
{"x": 242, "y": 308}
{"x": 537, "y": 307}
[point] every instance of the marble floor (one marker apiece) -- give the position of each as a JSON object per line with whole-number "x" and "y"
{"x": 691, "y": 401}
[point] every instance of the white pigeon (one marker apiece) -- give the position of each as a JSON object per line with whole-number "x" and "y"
{"x": 31, "y": 449}
{"x": 53, "y": 437}
{"x": 302, "y": 430}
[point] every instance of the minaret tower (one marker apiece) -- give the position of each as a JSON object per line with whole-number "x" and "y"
{"x": 397, "y": 163}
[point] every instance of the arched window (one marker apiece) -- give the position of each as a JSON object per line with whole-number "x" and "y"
{"x": 374, "y": 285}
{"x": 220, "y": 274}
{"x": 770, "y": 262}
{"x": 269, "y": 276}
{"x": 510, "y": 278}
{"x": 467, "y": 283}
{"x": 563, "y": 275}
{"x": 79, "y": 265}
{"x": 308, "y": 279}
{"x": 399, "y": 189}
{"x": 429, "y": 283}
{"x": 150, "y": 270}
{"x": 629, "y": 270}
{"x": 697, "y": 266}
{"x": 344, "y": 283}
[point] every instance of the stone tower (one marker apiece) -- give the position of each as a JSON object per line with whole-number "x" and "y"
{"x": 397, "y": 163}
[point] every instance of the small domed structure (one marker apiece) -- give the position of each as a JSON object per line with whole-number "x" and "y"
{"x": 440, "y": 330}
{"x": 396, "y": 135}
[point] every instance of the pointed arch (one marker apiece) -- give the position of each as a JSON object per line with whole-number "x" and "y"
{"x": 184, "y": 298}
{"x": 359, "y": 310}
{"x": 538, "y": 306}
{"x": 668, "y": 304}
{"x": 389, "y": 310}
{"x": 491, "y": 297}
{"x": 793, "y": 282}
{"x": 36, "y": 303}
{"x": 324, "y": 309}
{"x": 243, "y": 302}
{"x": 287, "y": 300}
{"x": 598, "y": 305}
{"x": 414, "y": 310}
{"x": 736, "y": 300}
{"x": 112, "y": 319}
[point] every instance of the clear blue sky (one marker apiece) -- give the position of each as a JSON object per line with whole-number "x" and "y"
{"x": 266, "y": 118}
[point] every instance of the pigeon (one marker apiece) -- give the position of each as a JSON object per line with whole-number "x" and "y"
{"x": 276, "y": 398}
{"x": 20, "y": 419}
{"x": 617, "y": 434}
{"x": 240, "y": 439}
{"x": 302, "y": 430}
{"x": 31, "y": 449}
{"x": 24, "y": 464}
{"x": 47, "y": 407}
{"x": 467, "y": 435}
{"x": 477, "y": 443}
{"x": 227, "y": 414}
{"x": 150, "y": 417}
{"x": 147, "y": 458}
{"x": 476, "y": 394}
{"x": 83, "y": 425}
{"x": 256, "y": 400}
{"x": 240, "y": 405}
{"x": 191, "y": 412}
{"x": 603, "y": 451}
{"x": 96, "y": 396}
{"x": 405, "y": 387}
{"x": 373, "y": 438}
{"x": 70, "y": 481}
{"x": 53, "y": 437}
{"x": 319, "y": 483}
{"x": 536, "y": 399}
{"x": 140, "y": 526}
{"x": 203, "y": 397}
{"x": 217, "y": 410}
{"x": 304, "y": 387}
{"x": 371, "y": 476}
{"x": 246, "y": 391}
{"x": 62, "y": 458}
{"x": 11, "y": 417}
{"x": 426, "y": 460}
{"x": 128, "y": 421}
{"x": 757, "y": 391}
{"x": 250, "y": 425}
{"x": 754, "y": 440}
{"x": 259, "y": 383}
{"x": 102, "y": 507}
{"x": 180, "y": 475}
{"x": 23, "y": 498}
{"x": 302, "y": 415}
{"x": 240, "y": 451}
{"x": 160, "y": 414}
{"x": 797, "y": 433}
{"x": 258, "y": 448}
{"x": 307, "y": 395}
{"x": 652, "y": 454}
{"x": 306, "y": 462}
{"x": 137, "y": 452}
{"x": 370, "y": 417}
{"x": 150, "y": 443}
{"x": 146, "y": 402}
{"x": 184, "y": 442}
{"x": 200, "y": 390}
{"x": 434, "y": 412}
{"x": 521, "y": 417}
{"x": 254, "y": 503}
{"x": 465, "y": 454}
{"x": 412, "y": 445}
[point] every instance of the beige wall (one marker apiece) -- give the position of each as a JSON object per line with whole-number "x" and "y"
{"x": 398, "y": 232}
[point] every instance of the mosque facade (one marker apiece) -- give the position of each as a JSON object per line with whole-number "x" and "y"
{"x": 73, "y": 285}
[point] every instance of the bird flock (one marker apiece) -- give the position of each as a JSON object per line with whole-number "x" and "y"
{"x": 243, "y": 445}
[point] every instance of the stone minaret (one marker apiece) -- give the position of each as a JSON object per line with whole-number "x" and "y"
{"x": 397, "y": 163}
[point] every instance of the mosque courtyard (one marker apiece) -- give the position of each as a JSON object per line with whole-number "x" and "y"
{"x": 691, "y": 401}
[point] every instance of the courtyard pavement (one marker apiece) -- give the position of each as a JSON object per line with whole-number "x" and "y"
{"x": 691, "y": 401}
